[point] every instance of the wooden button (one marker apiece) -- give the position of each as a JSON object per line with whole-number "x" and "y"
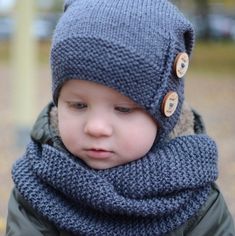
{"x": 170, "y": 103}
{"x": 181, "y": 64}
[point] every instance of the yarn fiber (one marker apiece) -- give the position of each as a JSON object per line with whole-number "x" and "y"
{"x": 126, "y": 45}
{"x": 150, "y": 196}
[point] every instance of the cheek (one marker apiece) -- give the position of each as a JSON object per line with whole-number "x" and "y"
{"x": 66, "y": 132}
{"x": 139, "y": 139}
{"x": 69, "y": 131}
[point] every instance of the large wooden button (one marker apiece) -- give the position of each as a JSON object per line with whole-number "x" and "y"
{"x": 181, "y": 64}
{"x": 170, "y": 103}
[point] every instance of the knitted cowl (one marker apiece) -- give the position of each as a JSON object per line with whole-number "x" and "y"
{"x": 150, "y": 196}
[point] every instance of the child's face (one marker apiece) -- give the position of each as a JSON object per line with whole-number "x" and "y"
{"x": 101, "y": 126}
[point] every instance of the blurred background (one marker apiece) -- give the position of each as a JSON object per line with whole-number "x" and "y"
{"x": 26, "y": 28}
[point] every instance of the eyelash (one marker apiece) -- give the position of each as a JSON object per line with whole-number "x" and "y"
{"x": 81, "y": 106}
{"x": 78, "y": 105}
{"x": 123, "y": 109}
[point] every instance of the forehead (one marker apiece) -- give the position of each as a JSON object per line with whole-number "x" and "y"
{"x": 84, "y": 88}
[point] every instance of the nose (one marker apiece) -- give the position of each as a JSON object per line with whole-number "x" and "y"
{"x": 98, "y": 126}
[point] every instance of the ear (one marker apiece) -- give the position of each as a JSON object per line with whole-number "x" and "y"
{"x": 67, "y": 3}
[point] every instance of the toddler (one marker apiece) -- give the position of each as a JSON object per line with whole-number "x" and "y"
{"x": 118, "y": 151}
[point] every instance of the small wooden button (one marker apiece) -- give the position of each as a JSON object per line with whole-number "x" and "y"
{"x": 181, "y": 64}
{"x": 170, "y": 103}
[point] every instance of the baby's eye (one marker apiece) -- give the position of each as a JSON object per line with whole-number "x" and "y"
{"x": 123, "y": 109}
{"x": 79, "y": 105}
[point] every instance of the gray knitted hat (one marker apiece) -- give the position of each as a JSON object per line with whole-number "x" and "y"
{"x": 127, "y": 45}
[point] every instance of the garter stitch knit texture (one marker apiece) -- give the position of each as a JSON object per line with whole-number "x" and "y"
{"x": 128, "y": 45}
{"x": 151, "y": 196}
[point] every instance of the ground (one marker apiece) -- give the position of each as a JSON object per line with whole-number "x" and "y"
{"x": 209, "y": 94}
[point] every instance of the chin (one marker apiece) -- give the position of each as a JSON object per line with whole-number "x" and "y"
{"x": 100, "y": 166}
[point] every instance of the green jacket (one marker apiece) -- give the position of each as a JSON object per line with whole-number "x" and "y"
{"x": 213, "y": 219}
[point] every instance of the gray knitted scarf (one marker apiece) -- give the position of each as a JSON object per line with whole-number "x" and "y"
{"x": 150, "y": 196}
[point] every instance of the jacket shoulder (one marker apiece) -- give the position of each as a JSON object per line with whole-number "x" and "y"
{"x": 213, "y": 218}
{"x": 23, "y": 220}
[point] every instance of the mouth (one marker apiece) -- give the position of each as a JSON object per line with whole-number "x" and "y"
{"x": 97, "y": 153}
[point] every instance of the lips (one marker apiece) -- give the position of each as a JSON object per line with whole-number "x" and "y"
{"x": 97, "y": 153}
